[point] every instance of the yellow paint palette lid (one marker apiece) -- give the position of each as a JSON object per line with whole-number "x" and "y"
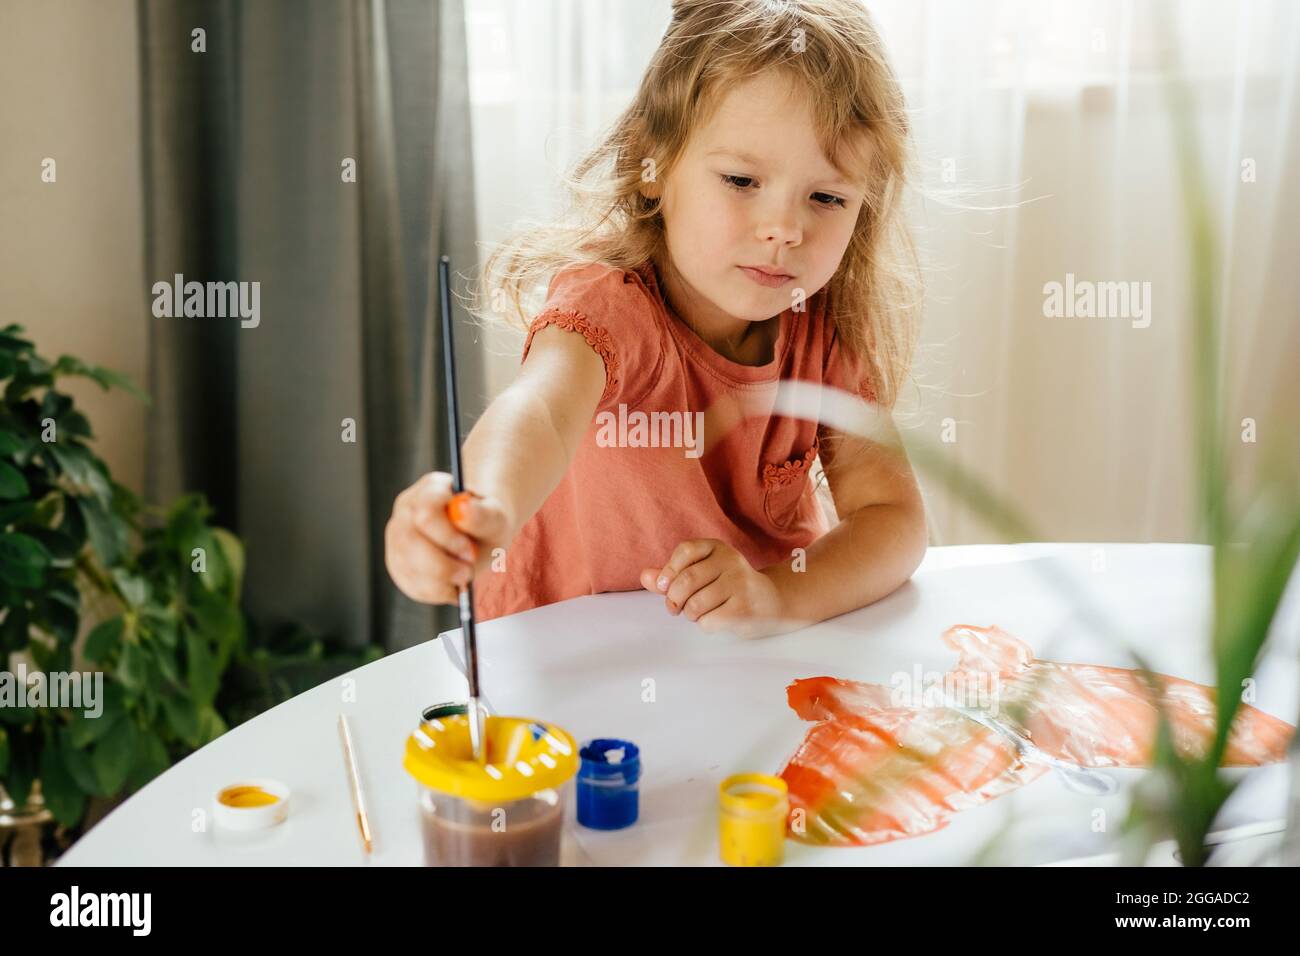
{"x": 524, "y": 756}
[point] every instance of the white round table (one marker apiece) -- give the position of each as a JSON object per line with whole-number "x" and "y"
{"x": 702, "y": 707}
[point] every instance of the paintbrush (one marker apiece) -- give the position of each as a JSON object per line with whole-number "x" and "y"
{"x": 354, "y": 779}
{"x": 474, "y": 711}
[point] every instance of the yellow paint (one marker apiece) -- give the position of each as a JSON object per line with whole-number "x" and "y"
{"x": 246, "y": 797}
{"x": 752, "y": 824}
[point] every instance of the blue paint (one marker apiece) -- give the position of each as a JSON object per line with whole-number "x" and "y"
{"x": 607, "y": 784}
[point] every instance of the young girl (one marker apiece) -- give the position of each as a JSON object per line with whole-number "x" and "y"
{"x": 740, "y": 225}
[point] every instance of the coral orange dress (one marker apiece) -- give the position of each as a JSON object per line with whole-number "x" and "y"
{"x": 633, "y": 493}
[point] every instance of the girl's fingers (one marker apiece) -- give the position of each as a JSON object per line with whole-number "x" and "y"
{"x": 690, "y": 581}
{"x": 717, "y": 620}
{"x": 420, "y": 569}
{"x": 483, "y": 518}
{"x": 427, "y": 513}
{"x": 704, "y": 600}
{"x": 684, "y": 555}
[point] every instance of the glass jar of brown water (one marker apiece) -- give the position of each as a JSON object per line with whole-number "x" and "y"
{"x": 508, "y": 810}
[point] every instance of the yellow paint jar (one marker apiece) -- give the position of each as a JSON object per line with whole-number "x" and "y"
{"x": 754, "y": 808}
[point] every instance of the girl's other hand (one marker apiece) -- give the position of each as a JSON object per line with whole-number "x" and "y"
{"x": 427, "y": 555}
{"x": 716, "y": 587}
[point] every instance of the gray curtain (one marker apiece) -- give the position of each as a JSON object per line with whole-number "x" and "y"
{"x": 242, "y": 165}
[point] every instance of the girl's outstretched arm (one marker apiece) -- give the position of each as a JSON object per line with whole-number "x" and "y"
{"x": 513, "y": 459}
{"x": 521, "y": 447}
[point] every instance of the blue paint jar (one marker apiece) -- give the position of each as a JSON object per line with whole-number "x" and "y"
{"x": 607, "y": 784}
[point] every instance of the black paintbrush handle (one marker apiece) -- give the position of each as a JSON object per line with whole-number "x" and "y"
{"x": 453, "y": 439}
{"x": 449, "y": 368}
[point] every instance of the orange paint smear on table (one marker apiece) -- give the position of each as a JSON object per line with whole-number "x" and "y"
{"x": 870, "y": 771}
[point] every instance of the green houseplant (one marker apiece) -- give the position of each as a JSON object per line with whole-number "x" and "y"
{"x": 170, "y": 604}
{"x": 163, "y": 586}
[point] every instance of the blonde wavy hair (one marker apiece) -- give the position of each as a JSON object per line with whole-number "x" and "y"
{"x": 833, "y": 52}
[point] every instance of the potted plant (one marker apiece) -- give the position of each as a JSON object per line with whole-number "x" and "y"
{"x": 161, "y": 587}
{"x": 167, "y": 593}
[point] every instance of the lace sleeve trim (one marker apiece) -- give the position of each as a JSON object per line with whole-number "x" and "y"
{"x": 597, "y": 338}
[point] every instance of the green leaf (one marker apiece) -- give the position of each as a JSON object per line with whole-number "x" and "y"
{"x": 79, "y": 765}
{"x": 76, "y": 424}
{"x": 200, "y": 667}
{"x": 23, "y": 560}
{"x": 84, "y": 730}
{"x": 63, "y": 796}
{"x": 54, "y": 404}
{"x": 25, "y": 380}
{"x": 114, "y": 755}
{"x": 15, "y": 512}
{"x": 151, "y": 760}
{"x": 134, "y": 588}
{"x": 216, "y": 574}
{"x": 165, "y": 658}
{"x": 14, "y": 632}
{"x": 69, "y": 365}
{"x": 73, "y": 523}
{"x": 182, "y": 717}
{"x": 42, "y": 656}
{"x": 47, "y": 658}
{"x": 103, "y": 640}
{"x": 60, "y": 546}
{"x": 22, "y": 549}
{"x": 47, "y": 506}
{"x": 132, "y": 667}
{"x": 12, "y": 483}
{"x": 9, "y": 442}
{"x": 1249, "y": 585}
{"x": 106, "y": 530}
{"x": 4, "y": 751}
{"x": 65, "y": 592}
{"x": 218, "y": 618}
{"x": 161, "y": 624}
{"x": 12, "y": 343}
{"x": 233, "y": 550}
{"x": 59, "y": 619}
{"x": 83, "y": 468}
{"x": 211, "y": 726}
{"x": 17, "y": 716}
{"x": 22, "y": 765}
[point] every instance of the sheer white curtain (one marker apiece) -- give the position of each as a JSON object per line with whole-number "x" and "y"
{"x": 546, "y": 76}
{"x": 1046, "y": 152}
